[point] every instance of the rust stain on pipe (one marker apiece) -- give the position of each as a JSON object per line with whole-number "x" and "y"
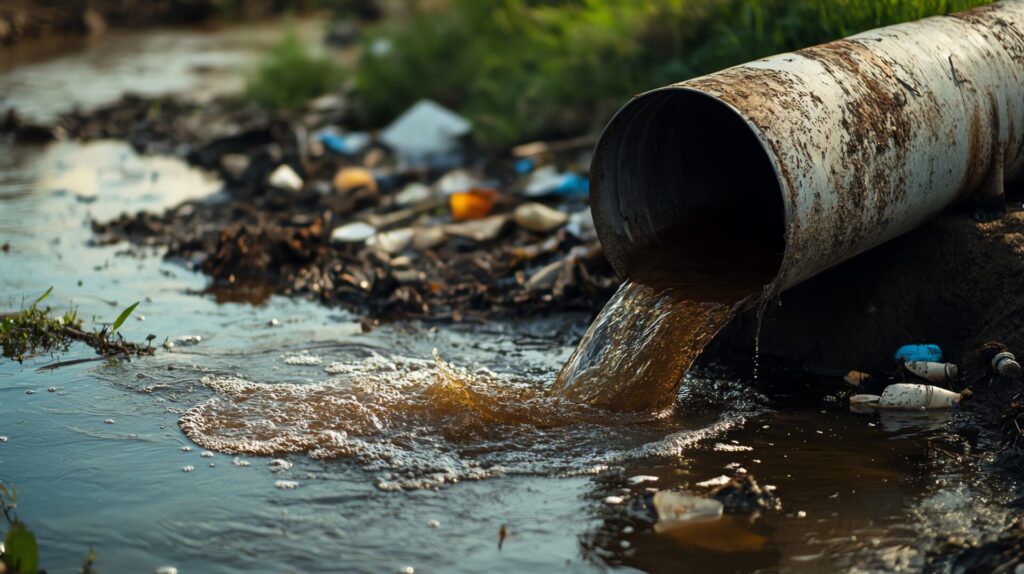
{"x": 846, "y": 145}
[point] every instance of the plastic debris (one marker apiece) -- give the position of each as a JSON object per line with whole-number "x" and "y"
{"x": 349, "y": 179}
{"x": 931, "y": 353}
{"x": 473, "y": 204}
{"x": 744, "y": 495}
{"x": 284, "y": 177}
{"x": 905, "y": 396}
{"x": 426, "y": 133}
{"x": 355, "y": 232}
{"x": 539, "y": 217}
{"x": 856, "y": 378}
{"x": 343, "y": 143}
{"x": 549, "y": 181}
{"x": 581, "y": 225}
{"x": 456, "y": 181}
{"x": 412, "y": 194}
{"x": 1005, "y": 365}
{"x": 679, "y": 507}
{"x": 428, "y": 237}
{"x": 524, "y": 166}
{"x": 717, "y": 481}
{"x": 932, "y": 372}
{"x": 392, "y": 242}
{"x": 479, "y": 229}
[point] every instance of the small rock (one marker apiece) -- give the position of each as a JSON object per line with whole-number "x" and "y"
{"x": 284, "y": 177}
{"x": 433, "y": 524}
{"x": 478, "y": 230}
{"x": 744, "y": 495}
{"x": 641, "y": 479}
{"x": 412, "y": 194}
{"x": 392, "y": 242}
{"x": 188, "y": 340}
{"x": 234, "y": 164}
{"x": 241, "y": 462}
{"x": 676, "y": 506}
{"x": 109, "y": 421}
{"x": 30, "y": 392}
{"x": 539, "y": 217}
{"x": 273, "y": 323}
{"x": 52, "y": 389}
{"x": 206, "y": 454}
{"x": 614, "y": 500}
{"x": 186, "y": 449}
{"x": 355, "y": 232}
{"x": 3, "y": 438}
{"x": 407, "y": 570}
{"x": 166, "y": 570}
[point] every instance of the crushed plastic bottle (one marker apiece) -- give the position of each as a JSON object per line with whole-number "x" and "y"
{"x": 909, "y": 397}
{"x": 931, "y": 371}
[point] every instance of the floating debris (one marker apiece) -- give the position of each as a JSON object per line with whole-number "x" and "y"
{"x": 240, "y": 462}
{"x": 109, "y": 421}
{"x": 286, "y": 484}
{"x": 723, "y": 447}
{"x": 279, "y": 465}
{"x": 712, "y": 482}
{"x": 186, "y": 449}
{"x": 188, "y": 340}
{"x": 433, "y": 524}
{"x": 187, "y": 468}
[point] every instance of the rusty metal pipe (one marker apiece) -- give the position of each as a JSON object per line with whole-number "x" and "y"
{"x": 789, "y": 165}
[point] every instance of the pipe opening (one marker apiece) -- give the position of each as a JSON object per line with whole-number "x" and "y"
{"x": 683, "y": 188}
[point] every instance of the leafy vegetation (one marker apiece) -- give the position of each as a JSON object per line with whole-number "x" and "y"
{"x": 522, "y": 69}
{"x": 20, "y": 553}
{"x": 35, "y": 330}
{"x": 290, "y": 76}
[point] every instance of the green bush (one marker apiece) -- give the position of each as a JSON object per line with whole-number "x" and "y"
{"x": 289, "y": 76}
{"x": 523, "y": 69}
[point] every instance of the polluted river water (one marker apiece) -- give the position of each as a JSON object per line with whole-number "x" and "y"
{"x": 288, "y": 440}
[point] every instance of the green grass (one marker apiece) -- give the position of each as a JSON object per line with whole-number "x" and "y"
{"x": 289, "y": 76}
{"x": 525, "y": 69}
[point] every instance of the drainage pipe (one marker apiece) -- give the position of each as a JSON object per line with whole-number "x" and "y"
{"x": 789, "y": 165}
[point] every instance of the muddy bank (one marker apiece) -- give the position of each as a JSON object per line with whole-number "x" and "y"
{"x": 30, "y": 19}
{"x": 257, "y": 238}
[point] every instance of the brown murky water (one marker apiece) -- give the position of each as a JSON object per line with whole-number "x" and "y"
{"x": 638, "y": 348}
{"x": 394, "y": 459}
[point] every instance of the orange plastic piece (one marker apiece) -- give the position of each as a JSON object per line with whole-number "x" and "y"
{"x": 472, "y": 204}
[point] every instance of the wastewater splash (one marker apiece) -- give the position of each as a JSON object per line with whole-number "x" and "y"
{"x": 637, "y": 350}
{"x": 423, "y": 424}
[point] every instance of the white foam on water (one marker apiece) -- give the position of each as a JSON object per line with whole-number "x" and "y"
{"x": 422, "y": 424}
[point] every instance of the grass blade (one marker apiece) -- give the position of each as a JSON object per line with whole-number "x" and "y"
{"x": 123, "y": 316}
{"x": 43, "y": 296}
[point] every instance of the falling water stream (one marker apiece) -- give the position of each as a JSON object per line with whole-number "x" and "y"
{"x": 313, "y": 447}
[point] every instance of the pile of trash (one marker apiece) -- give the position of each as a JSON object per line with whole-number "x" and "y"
{"x": 406, "y": 222}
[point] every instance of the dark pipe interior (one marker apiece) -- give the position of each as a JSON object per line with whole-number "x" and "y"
{"x": 682, "y": 188}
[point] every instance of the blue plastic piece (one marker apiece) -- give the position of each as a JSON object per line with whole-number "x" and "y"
{"x": 524, "y": 166}
{"x": 908, "y": 353}
{"x": 334, "y": 142}
{"x": 572, "y": 185}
